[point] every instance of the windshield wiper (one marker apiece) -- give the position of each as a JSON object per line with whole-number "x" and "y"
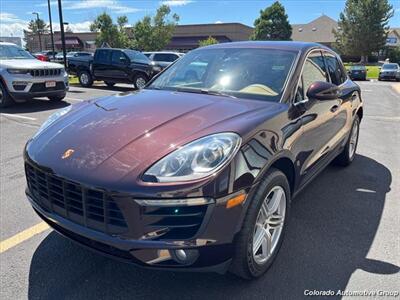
{"x": 217, "y": 93}
{"x": 203, "y": 91}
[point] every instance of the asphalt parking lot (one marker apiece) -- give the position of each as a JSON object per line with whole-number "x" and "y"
{"x": 343, "y": 233}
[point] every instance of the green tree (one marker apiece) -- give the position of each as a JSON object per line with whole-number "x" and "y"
{"x": 362, "y": 27}
{"x": 207, "y": 42}
{"x": 34, "y": 26}
{"x": 37, "y": 25}
{"x": 272, "y": 24}
{"x": 154, "y": 33}
{"x": 114, "y": 35}
{"x": 393, "y": 53}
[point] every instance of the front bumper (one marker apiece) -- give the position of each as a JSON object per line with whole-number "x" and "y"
{"x": 391, "y": 76}
{"x": 26, "y": 86}
{"x": 127, "y": 231}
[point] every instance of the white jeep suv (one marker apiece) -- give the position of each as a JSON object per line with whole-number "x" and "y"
{"x": 23, "y": 77}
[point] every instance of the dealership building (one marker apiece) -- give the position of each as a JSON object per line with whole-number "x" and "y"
{"x": 187, "y": 37}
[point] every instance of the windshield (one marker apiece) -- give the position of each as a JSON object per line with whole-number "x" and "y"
{"x": 242, "y": 72}
{"x": 13, "y": 52}
{"x": 390, "y": 66}
{"x": 358, "y": 68}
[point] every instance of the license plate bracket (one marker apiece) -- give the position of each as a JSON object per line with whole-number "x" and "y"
{"x": 50, "y": 84}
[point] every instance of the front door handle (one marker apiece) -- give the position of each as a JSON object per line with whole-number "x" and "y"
{"x": 334, "y": 108}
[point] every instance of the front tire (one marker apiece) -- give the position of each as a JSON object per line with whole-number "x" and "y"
{"x": 5, "y": 98}
{"x": 140, "y": 81}
{"x": 346, "y": 157}
{"x": 85, "y": 79}
{"x": 257, "y": 244}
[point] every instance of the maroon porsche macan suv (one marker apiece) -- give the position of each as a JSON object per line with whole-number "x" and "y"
{"x": 197, "y": 171}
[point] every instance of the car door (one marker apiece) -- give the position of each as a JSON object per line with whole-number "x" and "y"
{"x": 317, "y": 118}
{"x": 342, "y": 116}
{"x": 117, "y": 70}
{"x": 101, "y": 63}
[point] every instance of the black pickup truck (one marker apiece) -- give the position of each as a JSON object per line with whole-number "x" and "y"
{"x": 113, "y": 66}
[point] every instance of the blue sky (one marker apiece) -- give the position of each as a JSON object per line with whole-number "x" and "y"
{"x": 14, "y": 14}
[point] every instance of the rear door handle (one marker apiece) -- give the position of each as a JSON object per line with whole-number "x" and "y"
{"x": 334, "y": 108}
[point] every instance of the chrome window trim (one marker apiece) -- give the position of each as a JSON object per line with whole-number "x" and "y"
{"x": 290, "y": 74}
{"x": 305, "y": 100}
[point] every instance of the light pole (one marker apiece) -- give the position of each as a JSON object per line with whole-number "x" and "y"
{"x": 51, "y": 30}
{"x": 62, "y": 32}
{"x": 37, "y": 28}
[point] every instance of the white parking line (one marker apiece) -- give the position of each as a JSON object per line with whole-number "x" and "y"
{"x": 74, "y": 99}
{"x": 18, "y": 116}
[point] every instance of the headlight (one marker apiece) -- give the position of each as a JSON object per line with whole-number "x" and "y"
{"x": 18, "y": 71}
{"x": 54, "y": 117}
{"x": 195, "y": 160}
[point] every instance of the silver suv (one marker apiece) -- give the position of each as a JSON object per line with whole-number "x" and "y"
{"x": 23, "y": 77}
{"x": 163, "y": 58}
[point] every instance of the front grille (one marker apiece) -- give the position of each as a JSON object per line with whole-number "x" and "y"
{"x": 45, "y": 72}
{"x": 41, "y": 87}
{"x": 92, "y": 208}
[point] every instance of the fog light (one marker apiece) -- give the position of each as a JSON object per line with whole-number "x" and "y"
{"x": 184, "y": 257}
{"x": 181, "y": 255}
{"x": 20, "y": 83}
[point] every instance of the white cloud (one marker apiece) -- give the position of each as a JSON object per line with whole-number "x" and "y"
{"x": 8, "y": 18}
{"x": 112, "y": 5}
{"x": 176, "y": 2}
{"x": 219, "y": 22}
{"x": 11, "y": 25}
{"x": 75, "y": 27}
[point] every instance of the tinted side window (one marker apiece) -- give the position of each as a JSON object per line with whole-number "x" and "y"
{"x": 103, "y": 56}
{"x": 141, "y": 58}
{"x": 314, "y": 70}
{"x": 168, "y": 57}
{"x": 335, "y": 69}
{"x": 117, "y": 57}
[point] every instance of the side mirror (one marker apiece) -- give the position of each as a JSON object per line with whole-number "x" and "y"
{"x": 322, "y": 90}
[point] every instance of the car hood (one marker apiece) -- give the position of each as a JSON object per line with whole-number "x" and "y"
{"x": 122, "y": 135}
{"x": 28, "y": 64}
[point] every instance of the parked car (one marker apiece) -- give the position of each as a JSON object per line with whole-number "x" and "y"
{"x": 389, "y": 71}
{"x": 358, "y": 73}
{"x": 164, "y": 58}
{"x": 23, "y": 77}
{"x": 41, "y": 56}
{"x": 45, "y": 55}
{"x": 60, "y": 56}
{"x": 197, "y": 173}
{"x": 113, "y": 66}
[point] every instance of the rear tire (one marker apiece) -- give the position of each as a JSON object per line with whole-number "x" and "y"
{"x": 346, "y": 157}
{"x": 249, "y": 260}
{"x": 85, "y": 79}
{"x": 140, "y": 81}
{"x": 109, "y": 84}
{"x": 5, "y": 98}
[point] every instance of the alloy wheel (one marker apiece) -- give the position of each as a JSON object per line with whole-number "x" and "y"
{"x": 84, "y": 78}
{"x": 269, "y": 225}
{"x": 140, "y": 83}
